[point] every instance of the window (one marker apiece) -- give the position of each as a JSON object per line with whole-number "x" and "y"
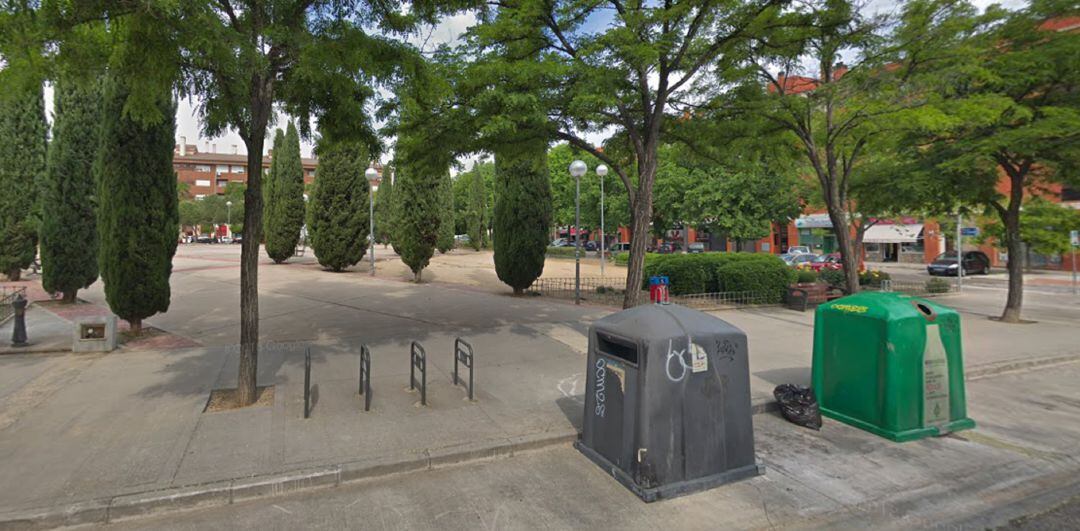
{"x": 205, "y": 168}
{"x": 912, "y": 247}
{"x": 202, "y": 182}
{"x": 238, "y": 169}
{"x": 200, "y": 196}
{"x": 222, "y": 168}
{"x": 872, "y": 247}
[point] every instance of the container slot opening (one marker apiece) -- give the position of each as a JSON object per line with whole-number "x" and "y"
{"x": 926, "y": 311}
{"x": 617, "y": 349}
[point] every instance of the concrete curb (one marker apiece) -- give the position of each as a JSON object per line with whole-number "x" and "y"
{"x": 216, "y": 494}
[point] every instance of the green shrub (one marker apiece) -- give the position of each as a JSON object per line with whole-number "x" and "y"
{"x": 806, "y": 276}
{"x": 833, "y": 277}
{"x": 937, "y": 285}
{"x": 769, "y": 278}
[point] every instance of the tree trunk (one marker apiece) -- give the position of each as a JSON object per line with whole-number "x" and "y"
{"x": 416, "y": 276}
{"x": 135, "y": 325}
{"x": 641, "y": 212}
{"x": 847, "y": 254}
{"x": 518, "y": 292}
{"x": 246, "y": 382}
{"x": 70, "y": 296}
{"x": 1015, "y": 298}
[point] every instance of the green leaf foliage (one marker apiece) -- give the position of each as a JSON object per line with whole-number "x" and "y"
{"x": 522, "y": 213}
{"x": 284, "y": 207}
{"x": 137, "y": 206}
{"x": 446, "y": 208}
{"x": 764, "y": 274}
{"x": 23, "y": 133}
{"x": 69, "y": 243}
{"x": 477, "y": 214}
{"x": 1044, "y": 225}
{"x": 339, "y": 206}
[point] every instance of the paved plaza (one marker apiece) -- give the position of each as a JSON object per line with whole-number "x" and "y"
{"x": 102, "y": 435}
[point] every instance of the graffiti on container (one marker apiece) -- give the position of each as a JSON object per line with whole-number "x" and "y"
{"x": 677, "y": 355}
{"x": 601, "y": 372}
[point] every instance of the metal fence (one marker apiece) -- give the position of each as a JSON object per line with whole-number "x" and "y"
{"x": 7, "y": 296}
{"x": 610, "y": 291}
{"x": 920, "y": 288}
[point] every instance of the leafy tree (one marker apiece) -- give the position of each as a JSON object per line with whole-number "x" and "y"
{"x": 629, "y": 76}
{"x": 137, "y": 209}
{"x": 1044, "y": 225}
{"x": 476, "y": 216}
{"x": 832, "y": 114}
{"x": 1007, "y": 111}
{"x": 563, "y": 189}
{"x": 69, "y": 228}
{"x": 315, "y": 59}
{"x": 522, "y": 213}
{"x": 339, "y": 216}
{"x": 384, "y": 207}
{"x": 23, "y": 133}
{"x": 445, "y": 241}
{"x": 285, "y": 205}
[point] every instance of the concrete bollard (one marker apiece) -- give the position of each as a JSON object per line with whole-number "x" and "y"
{"x": 18, "y": 333}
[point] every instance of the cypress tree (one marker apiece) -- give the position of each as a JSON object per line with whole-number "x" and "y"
{"x": 69, "y": 228}
{"x": 284, "y": 208}
{"x": 522, "y": 212}
{"x": 384, "y": 207}
{"x": 418, "y": 213}
{"x": 339, "y": 206}
{"x": 269, "y": 183}
{"x": 23, "y": 141}
{"x": 138, "y": 215}
{"x": 477, "y": 211}
{"x": 445, "y": 241}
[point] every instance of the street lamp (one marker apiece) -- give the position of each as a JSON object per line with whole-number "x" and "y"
{"x": 372, "y": 175}
{"x": 601, "y": 170}
{"x": 577, "y": 171}
{"x": 228, "y": 217}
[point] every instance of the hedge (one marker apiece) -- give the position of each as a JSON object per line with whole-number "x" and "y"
{"x": 562, "y": 252}
{"x": 720, "y": 272}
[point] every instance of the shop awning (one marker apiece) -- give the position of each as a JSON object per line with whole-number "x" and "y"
{"x": 894, "y": 233}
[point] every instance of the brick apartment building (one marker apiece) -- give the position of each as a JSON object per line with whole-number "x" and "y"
{"x": 210, "y": 170}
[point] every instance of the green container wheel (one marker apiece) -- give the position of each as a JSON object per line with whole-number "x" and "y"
{"x": 890, "y": 364}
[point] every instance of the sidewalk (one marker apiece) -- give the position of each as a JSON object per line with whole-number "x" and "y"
{"x": 119, "y": 428}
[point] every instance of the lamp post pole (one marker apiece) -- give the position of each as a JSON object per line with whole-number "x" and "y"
{"x": 577, "y": 170}
{"x": 372, "y": 175}
{"x": 228, "y": 218}
{"x": 959, "y": 253}
{"x": 601, "y": 170}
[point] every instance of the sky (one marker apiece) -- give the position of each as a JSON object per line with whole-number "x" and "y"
{"x": 448, "y": 31}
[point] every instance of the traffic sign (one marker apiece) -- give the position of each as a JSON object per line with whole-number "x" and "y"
{"x": 969, "y": 231}
{"x": 1075, "y": 237}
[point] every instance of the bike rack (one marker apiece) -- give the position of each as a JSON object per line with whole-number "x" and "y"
{"x": 365, "y": 376}
{"x": 463, "y": 353}
{"x": 418, "y": 360}
{"x": 307, "y": 383}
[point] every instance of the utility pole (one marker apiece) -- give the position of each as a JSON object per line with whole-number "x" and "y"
{"x": 959, "y": 252}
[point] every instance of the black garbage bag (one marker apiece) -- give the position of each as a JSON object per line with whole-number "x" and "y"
{"x": 798, "y": 405}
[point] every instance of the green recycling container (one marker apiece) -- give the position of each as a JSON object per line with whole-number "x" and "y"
{"x": 890, "y": 364}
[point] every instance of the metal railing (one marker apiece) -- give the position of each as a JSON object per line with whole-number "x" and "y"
{"x": 463, "y": 354}
{"x": 7, "y": 296}
{"x": 418, "y": 360}
{"x": 609, "y": 291}
{"x": 921, "y": 288}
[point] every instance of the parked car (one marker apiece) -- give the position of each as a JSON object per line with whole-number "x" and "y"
{"x": 826, "y": 261}
{"x": 623, "y": 247}
{"x": 562, "y": 242}
{"x": 461, "y": 239}
{"x": 203, "y": 238}
{"x": 696, "y": 248}
{"x": 590, "y": 245}
{"x": 945, "y": 264}
{"x": 799, "y": 249}
{"x": 665, "y": 248}
{"x": 237, "y": 238}
{"x": 795, "y": 260}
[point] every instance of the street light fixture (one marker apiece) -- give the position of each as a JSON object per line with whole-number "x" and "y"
{"x": 577, "y": 171}
{"x": 372, "y": 175}
{"x": 601, "y": 170}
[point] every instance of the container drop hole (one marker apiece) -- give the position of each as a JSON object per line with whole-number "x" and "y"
{"x": 617, "y": 349}
{"x": 926, "y": 311}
